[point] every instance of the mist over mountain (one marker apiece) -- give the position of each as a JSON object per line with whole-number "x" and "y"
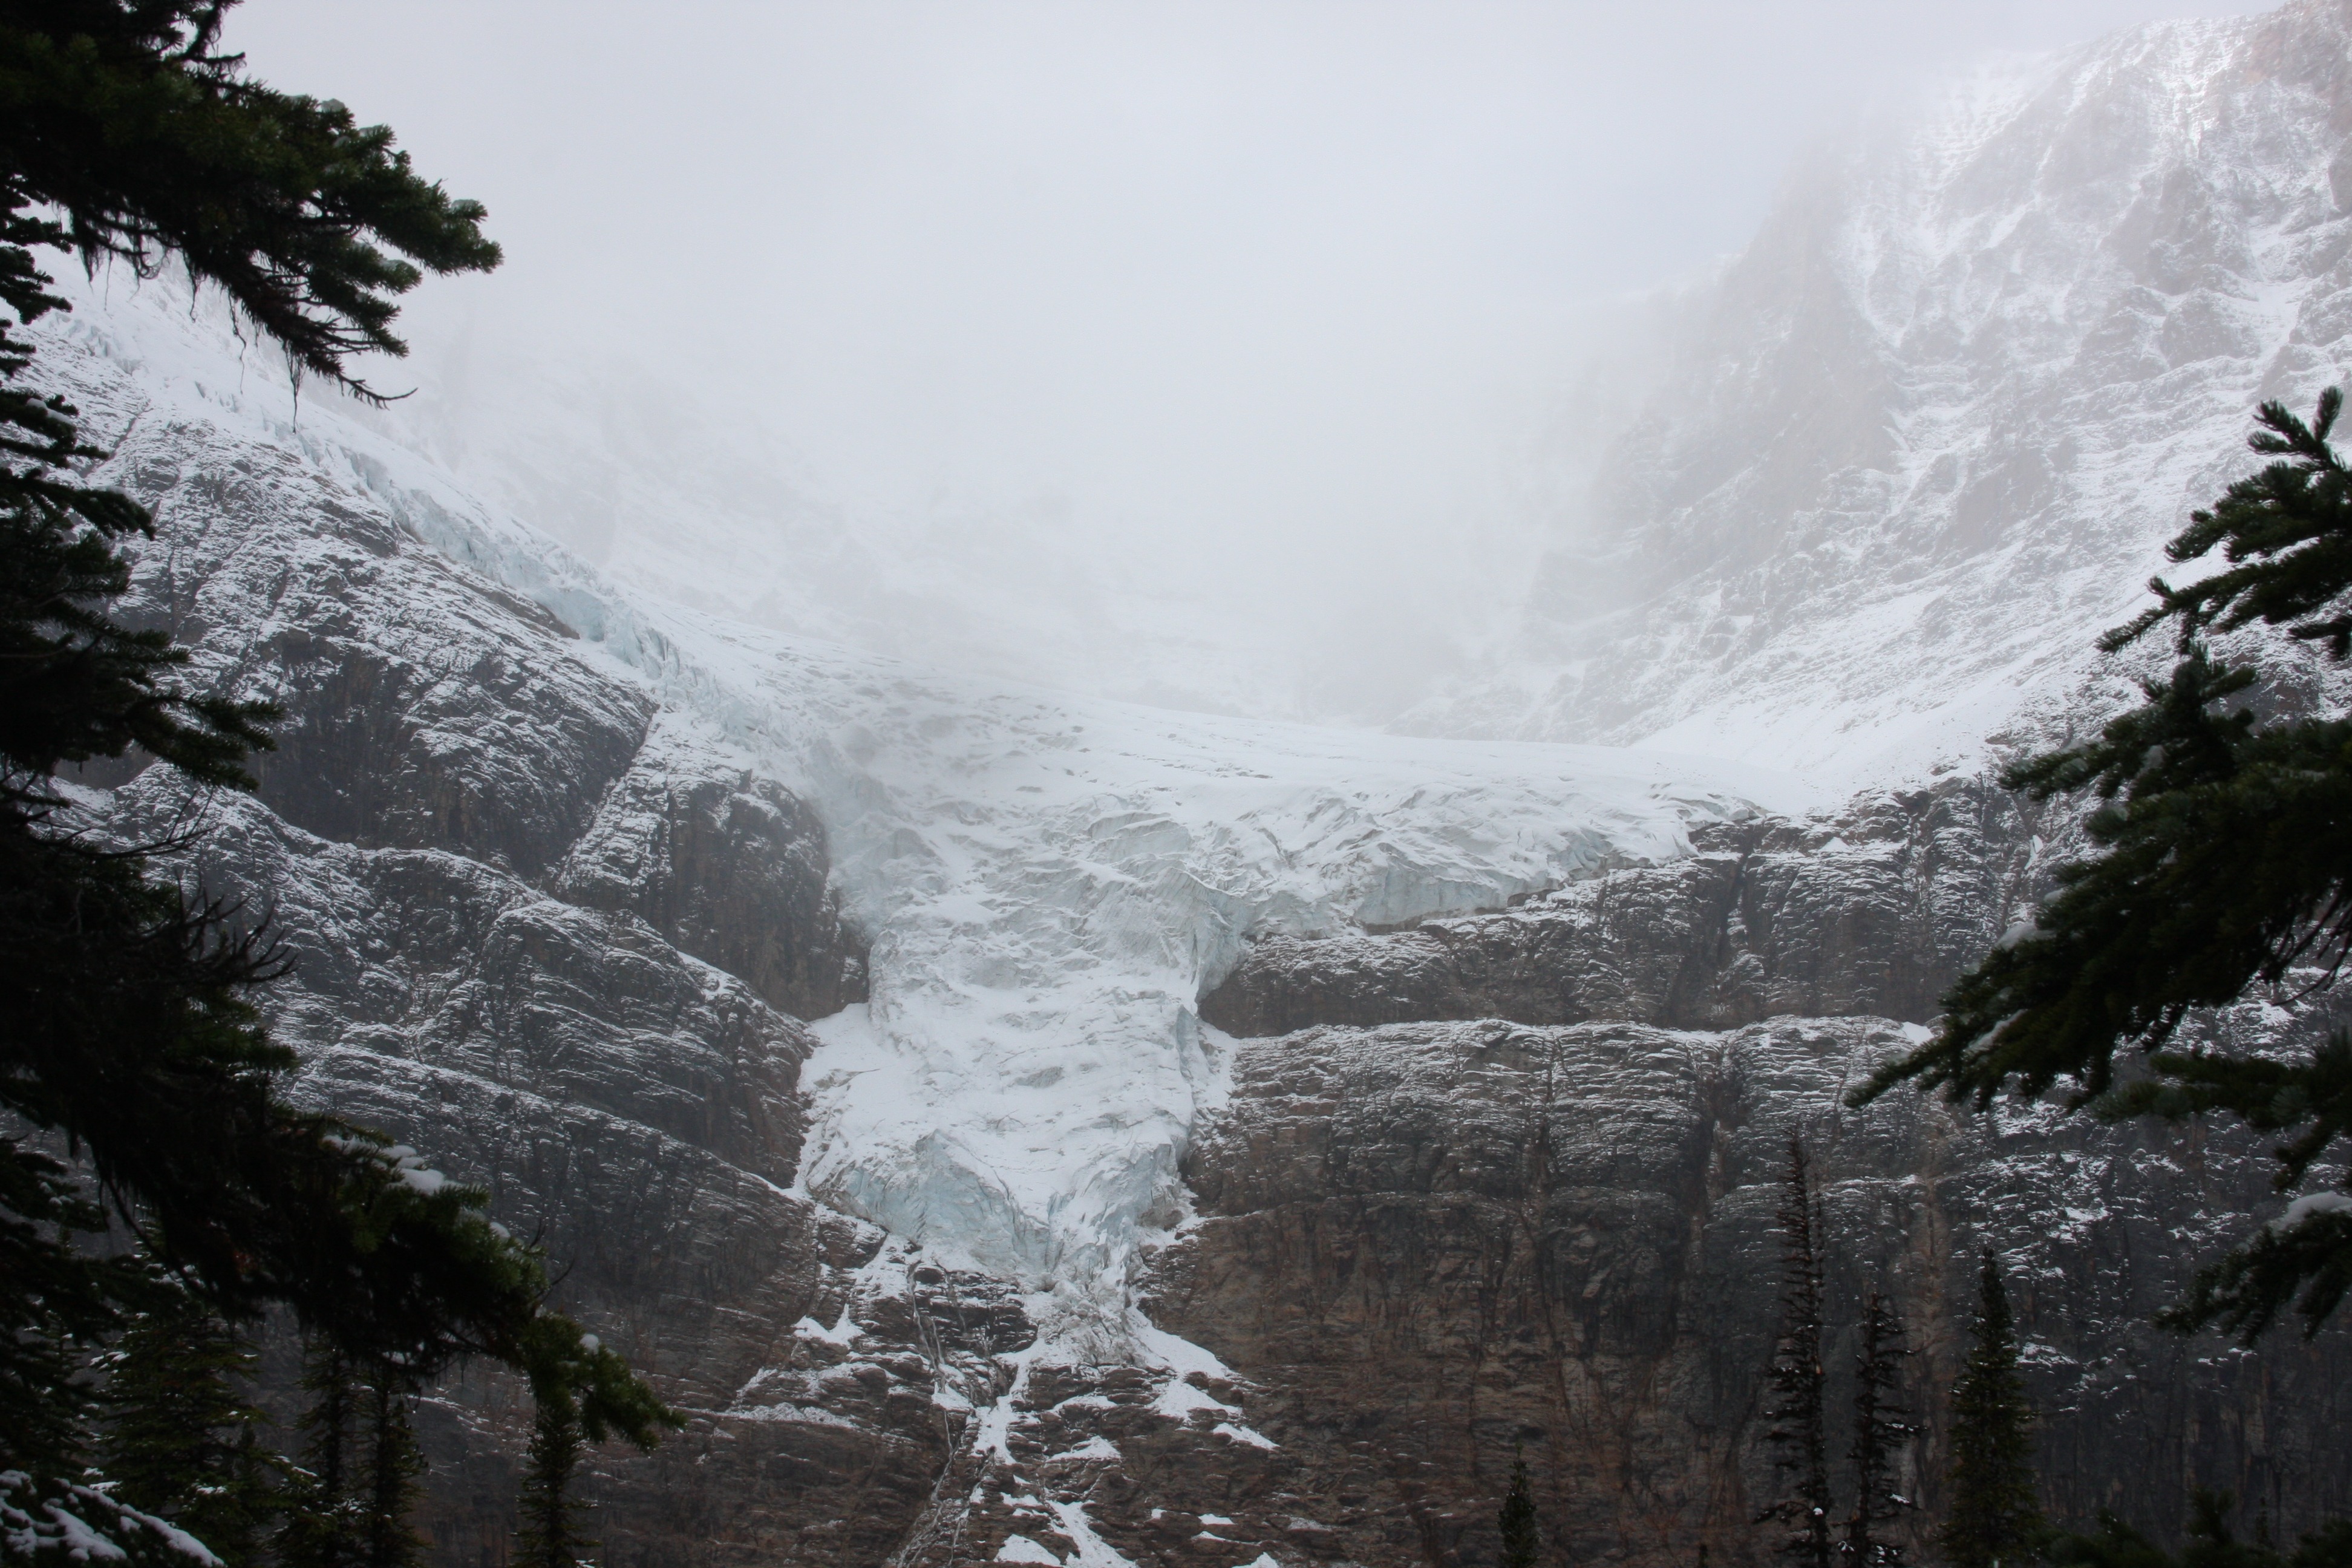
{"x": 1879, "y": 477}
{"x": 1926, "y": 436}
{"x": 710, "y": 500}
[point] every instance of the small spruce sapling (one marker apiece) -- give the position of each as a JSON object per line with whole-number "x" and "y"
{"x": 56, "y": 1306}
{"x": 551, "y": 1533}
{"x": 394, "y": 1464}
{"x": 563, "y": 1361}
{"x": 348, "y": 1500}
{"x": 1797, "y": 1379}
{"x": 321, "y": 1529}
{"x": 1516, "y": 1521}
{"x": 1881, "y": 1431}
{"x": 2212, "y": 1544}
{"x": 1996, "y": 1517}
{"x": 181, "y": 1439}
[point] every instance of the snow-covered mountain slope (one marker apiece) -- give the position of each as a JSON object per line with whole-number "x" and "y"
{"x": 1925, "y": 439}
{"x": 1047, "y": 884}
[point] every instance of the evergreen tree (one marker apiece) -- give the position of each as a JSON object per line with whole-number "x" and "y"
{"x": 325, "y": 1526}
{"x": 394, "y": 1463}
{"x": 563, "y": 1425}
{"x": 58, "y": 1303}
{"x": 179, "y": 1440}
{"x": 1995, "y": 1516}
{"x": 126, "y": 119}
{"x": 2222, "y": 860}
{"x": 351, "y": 1499}
{"x": 551, "y": 1533}
{"x": 1798, "y": 1430}
{"x": 1881, "y": 1428}
{"x": 2211, "y": 1544}
{"x": 130, "y": 1034}
{"x": 1516, "y": 1520}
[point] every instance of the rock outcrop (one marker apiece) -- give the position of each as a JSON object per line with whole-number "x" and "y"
{"x": 1873, "y": 913}
{"x": 1507, "y": 1180}
{"x": 556, "y": 939}
{"x": 727, "y": 866}
{"x": 1423, "y": 1247}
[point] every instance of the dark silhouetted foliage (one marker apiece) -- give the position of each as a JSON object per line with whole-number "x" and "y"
{"x": 1517, "y": 1520}
{"x": 182, "y": 1439}
{"x": 124, "y": 117}
{"x": 129, "y": 1038}
{"x": 1996, "y": 1513}
{"x": 1882, "y": 1429}
{"x": 2211, "y": 1544}
{"x": 2223, "y": 861}
{"x": 1798, "y": 1433}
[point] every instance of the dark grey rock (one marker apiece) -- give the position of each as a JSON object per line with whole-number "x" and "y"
{"x": 729, "y": 866}
{"x": 1875, "y": 912}
{"x": 1424, "y": 1245}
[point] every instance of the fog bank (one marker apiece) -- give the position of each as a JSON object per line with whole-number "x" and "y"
{"x": 1223, "y": 356}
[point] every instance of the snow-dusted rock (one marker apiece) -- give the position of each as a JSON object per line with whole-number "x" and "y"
{"x": 539, "y": 929}
{"x": 1910, "y": 452}
{"x": 725, "y": 863}
{"x": 1875, "y": 911}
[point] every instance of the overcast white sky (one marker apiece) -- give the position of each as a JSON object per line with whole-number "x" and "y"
{"x": 1271, "y": 270}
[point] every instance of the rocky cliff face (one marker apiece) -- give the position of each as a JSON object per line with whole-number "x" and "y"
{"x": 727, "y": 866}
{"x": 1874, "y": 911}
{"x": 1486, "y": 1182}
{"x": 1508, "y": 1179}
{"x": 559, "y": 941}
{"x": 1427, "y": 1244}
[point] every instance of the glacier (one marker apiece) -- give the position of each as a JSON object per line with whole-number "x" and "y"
{"x": 1048, "y": 883}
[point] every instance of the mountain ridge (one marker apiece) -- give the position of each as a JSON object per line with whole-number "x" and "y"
{"x": 1925, "y": 438}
